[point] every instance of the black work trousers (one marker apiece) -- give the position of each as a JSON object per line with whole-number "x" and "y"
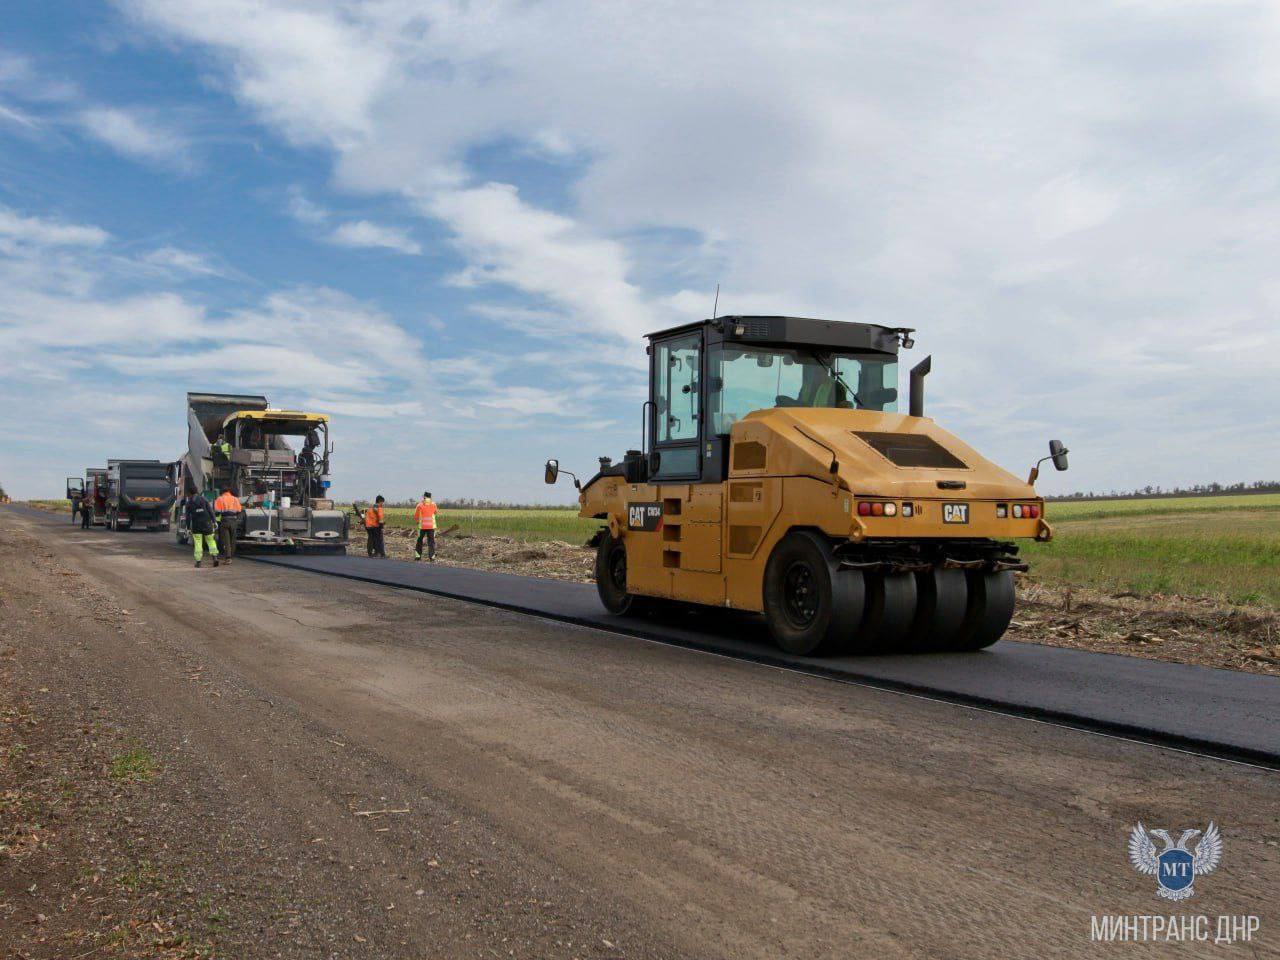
{"x": 227, "y": 536}
{"x": 431, "y": 544}
{"x": 377, "y": 545}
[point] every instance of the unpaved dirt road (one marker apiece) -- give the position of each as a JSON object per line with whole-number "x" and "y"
{"x": 346, "y": 770}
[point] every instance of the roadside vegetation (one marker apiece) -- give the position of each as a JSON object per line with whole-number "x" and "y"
{"x": 1219, "y": 548}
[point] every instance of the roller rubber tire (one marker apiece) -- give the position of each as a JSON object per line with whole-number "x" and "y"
{"x": 991, "y": 602}
{"x": 811, "y": 605}
{"x": 890, "y": 611}
{"x": 942, "y": 600}
{"x": 611, "y": 580}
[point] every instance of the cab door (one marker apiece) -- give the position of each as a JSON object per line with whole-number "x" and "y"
{"x": 692, "y": 513}
{"x": 676, "y": 375}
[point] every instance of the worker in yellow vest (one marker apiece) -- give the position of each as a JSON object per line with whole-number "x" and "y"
{"x": 425, "y": 514}
{"x": 228, "y": 509}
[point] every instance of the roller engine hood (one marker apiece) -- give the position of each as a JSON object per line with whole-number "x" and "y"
{"x": 890, "y": 455}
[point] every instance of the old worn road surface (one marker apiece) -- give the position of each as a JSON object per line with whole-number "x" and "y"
{"x": 571, "y": 795}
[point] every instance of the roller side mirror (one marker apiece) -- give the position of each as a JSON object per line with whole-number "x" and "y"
{"x": 1058, "y": 454}
{"x": 552, "y": 472}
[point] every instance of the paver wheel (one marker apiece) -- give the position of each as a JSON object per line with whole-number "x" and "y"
{"x": 890, "y": 610}
{"x": 942, "y": 600}
{"x": 990, "y": 608}
{"x": 811, "y": 605}
{"x": 611, "y": 580}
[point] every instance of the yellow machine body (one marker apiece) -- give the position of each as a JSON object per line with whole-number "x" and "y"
{"x": 709, "y": 543}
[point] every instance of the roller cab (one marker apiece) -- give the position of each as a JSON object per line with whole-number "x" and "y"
{"x": 777, "y": 475}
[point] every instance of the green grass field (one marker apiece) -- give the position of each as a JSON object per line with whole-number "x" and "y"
{"x": 1225, "y": 548}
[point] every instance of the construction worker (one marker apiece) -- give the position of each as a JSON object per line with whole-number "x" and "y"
{"x": 200, "y": 521}
{"x": 227, "y": 508}
{"x": 425, "y": 514}
{"x": 222, "y": 451}
{"x": 86, "y": 512}
{"x": 375, "y": 520}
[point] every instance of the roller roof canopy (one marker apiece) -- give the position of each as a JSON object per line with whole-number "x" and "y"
{"x": 795, "y": 331}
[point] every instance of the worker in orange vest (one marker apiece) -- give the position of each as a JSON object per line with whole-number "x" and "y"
{"x": 375, "y": 519}
{"x": 425, "y": 514}
{"x": 227, "y": 508}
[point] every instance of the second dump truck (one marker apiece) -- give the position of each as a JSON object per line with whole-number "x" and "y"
{"x": 277, "y": 464}
{"x": 139, "y": 494}
{"x": 778, "y": 476}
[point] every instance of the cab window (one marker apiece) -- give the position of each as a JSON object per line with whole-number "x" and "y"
{"x": 745, "y": 378}
{"x": 676, "y": 403}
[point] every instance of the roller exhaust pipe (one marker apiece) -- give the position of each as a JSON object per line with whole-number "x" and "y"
{"x": 918, "y": 373}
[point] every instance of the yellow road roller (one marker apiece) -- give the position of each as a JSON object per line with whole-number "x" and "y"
{"x": 776, "y": 475}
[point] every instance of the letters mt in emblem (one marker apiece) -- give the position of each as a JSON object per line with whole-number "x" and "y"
{"x": 1175, "y": 868}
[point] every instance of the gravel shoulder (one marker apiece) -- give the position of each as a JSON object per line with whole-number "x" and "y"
{"x": 235, "y": 763}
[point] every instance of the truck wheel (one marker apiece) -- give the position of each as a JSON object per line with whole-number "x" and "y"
{"x": 990, "y": 608}
{"x": 611, "y": 580}
{"x": 811, "y": 605}
{"x": 942, "y": 599}
{"x": 890, "y": 610}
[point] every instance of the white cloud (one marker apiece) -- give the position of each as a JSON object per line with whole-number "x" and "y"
{"x": 363, "y": 233}
{"x": 182, "y": 261}
{"x": 18, "y": 230}
{"x": 508, "y": 241}
{"x": 136, "y": 136}
{"x": 18, "y": 117}
{"x": 303, "y": 210}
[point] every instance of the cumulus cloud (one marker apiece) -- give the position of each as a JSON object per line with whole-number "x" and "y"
{"x": 363, "y": 233}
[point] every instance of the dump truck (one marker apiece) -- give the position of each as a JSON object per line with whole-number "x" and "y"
{"x": 284, "y": 491}
{"x": 139, "y": 494}
{"x": 777, "y": 476}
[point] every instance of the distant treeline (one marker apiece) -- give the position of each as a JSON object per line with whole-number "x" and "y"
{"x": 1158, "y": 492}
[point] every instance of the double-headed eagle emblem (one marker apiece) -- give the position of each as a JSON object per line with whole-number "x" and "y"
{"x": 1175, "y": 868}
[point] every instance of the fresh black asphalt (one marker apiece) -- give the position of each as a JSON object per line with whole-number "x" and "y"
{"x": 1223, "y": 713}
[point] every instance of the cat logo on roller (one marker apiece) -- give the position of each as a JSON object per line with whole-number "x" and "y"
{"x": 777, "y": 475}
{"x": 644, "y": 516}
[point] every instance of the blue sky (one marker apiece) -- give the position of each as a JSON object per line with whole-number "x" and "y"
{"x": 449, "y": 224}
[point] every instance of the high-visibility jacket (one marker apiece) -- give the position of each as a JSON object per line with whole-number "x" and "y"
{"x": 425, "y": 514}
{"x": 374, "y": 517}
{"x": 227, "y": 503}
